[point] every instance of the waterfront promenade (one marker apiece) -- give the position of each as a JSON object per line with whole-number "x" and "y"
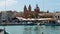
{"x": 41, "y": 21}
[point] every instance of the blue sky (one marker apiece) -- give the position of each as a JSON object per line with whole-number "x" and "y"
{"x": 44, "y": 5}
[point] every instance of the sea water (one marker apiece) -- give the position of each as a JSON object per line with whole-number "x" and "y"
{"x": 31, "y": 29}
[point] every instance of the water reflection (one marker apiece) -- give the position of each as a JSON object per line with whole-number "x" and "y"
{"x": 41, "y": 29}
{"x": 27, "y": 30}
{"x": 37, "y": 30}
{"x": 32, "y": 30}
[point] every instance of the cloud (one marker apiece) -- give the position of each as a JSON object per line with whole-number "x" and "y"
{"x": 8, "y": 3}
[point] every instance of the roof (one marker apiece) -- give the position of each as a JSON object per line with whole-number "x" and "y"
{"x": 20, "y": 18}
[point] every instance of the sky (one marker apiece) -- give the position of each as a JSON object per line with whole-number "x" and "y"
{"x": 18, "y": 5}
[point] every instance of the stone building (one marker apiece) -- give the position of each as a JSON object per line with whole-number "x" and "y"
{"x": 56, "y": 15}
{"x": 0, "y": 16}
{"x": 9, "y": 15}
{"x": 3, "y": 16}
{"x": 28, "y": 12}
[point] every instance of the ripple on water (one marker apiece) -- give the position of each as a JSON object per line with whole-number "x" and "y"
{"x": 32, "y": 29}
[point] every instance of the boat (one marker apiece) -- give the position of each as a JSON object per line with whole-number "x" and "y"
{"x": 52, "y": 24}
{"x": 2, "y": 31}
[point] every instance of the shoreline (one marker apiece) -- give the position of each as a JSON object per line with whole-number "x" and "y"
{"x": 29, "y": 25}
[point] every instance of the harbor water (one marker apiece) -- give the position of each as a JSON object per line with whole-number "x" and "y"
{"x": 31, "y": 29}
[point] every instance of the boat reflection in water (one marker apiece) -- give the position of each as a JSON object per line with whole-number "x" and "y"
{"x": 32, "y": 29}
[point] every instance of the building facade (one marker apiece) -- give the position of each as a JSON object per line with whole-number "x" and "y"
{"x": 28, "y": 12}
